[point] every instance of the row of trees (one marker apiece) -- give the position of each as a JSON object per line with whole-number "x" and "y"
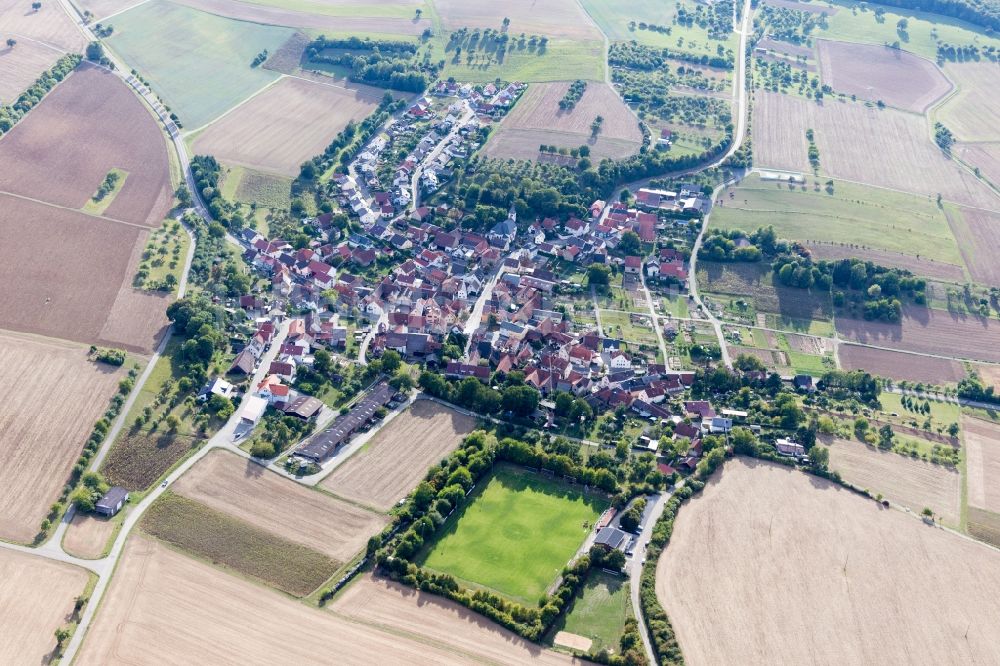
{"x": 11, "y": 114}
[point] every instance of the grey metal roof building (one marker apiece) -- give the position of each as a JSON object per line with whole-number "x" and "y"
{"x": 325, "y": 442}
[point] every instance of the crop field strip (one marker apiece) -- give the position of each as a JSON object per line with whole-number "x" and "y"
{"x": 428, "y": 617}
{"x": 38, "y": 597}
{"x": 978, "y": 235}
{"x": 328, "y": 18}
{"x": 973, "y": 113}
{"x": 787, "y": 539}
{"x": 900, "y": 365}
{"x": 399, "y": 456}
{"x": 53, "y": 378}
{"x": 537, "y": 119}
{"x": 237, "y": 545}
{"x": 913, "y": 483}
{"x": 163, "y": 602}
{"x": 881, "y": 147}
{"x": 853, "y": 214}
{"x": 246, "y": 491}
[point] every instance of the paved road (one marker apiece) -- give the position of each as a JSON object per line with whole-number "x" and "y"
{"x": 431, "y": 156}
{"x": 476, "y": 315}
{"x": 633, "y": 566}
{"x": 654, "y": 318}
{"x": 597, "y": 311}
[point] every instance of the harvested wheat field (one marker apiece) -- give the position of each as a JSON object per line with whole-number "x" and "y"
{"x": 44, "y": 423}
{"x": 245, "y": 490}
{"x": 89, "y": 124}
{"x": 893, "y": 590}
{"x": 875, "y": 73}
{"x": 910, "y": 482}
{"x": 553, "y": 19}
{"x": 398, "y": 457}
{"x": 978, "y": 235}
{"x": 537, "y": 119}
{"x": 103, "y": 8}
{"x": 929, "y": 331}
{"x": 982, "y": 456}
{"x": 287, "y": 124}
{"x": 87, "y": 535}
{"x": 50, "y": 24}
{"x": 973, "y": 114}
{"x": 69, "y": 276}
{"x": 886, "y": 147}
{"x": 21, "y": 66}
{"x": 38, "y": 596}
{"x": 163, "y": 603}
{"x": 988, "y": 374}
{"x": 438, "y": 621}
{"x": 982, "y": 156}
{"x": 900, "y": 365}
{"x": 921, "y": 266}
{"x": 323, "y": 19}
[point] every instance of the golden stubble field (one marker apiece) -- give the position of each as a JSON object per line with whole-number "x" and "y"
{"x": 183, "y": 611}
{"x": 431, "y": 618}
{"x": 56, "y": 396}
{"x": 36, "y": 598}
{"x": 398, "y": 457}
{"x": 772, "y": 566}
{"x": 903, "y": 480}
{"x": 245, "y": 490}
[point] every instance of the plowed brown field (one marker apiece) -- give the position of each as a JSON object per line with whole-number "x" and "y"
{"x": 89, "y": 124}
{"x": 37, "y": 598}
{"x": 163, "y": 603}
{"x": 900, "y": 365}
{"x": 929, "y": 332}
{"x": 398, "y": 457}
{"x": 892, "y": 590}
{"x": 245, "y": 490}
{"x": 56, "y": 396}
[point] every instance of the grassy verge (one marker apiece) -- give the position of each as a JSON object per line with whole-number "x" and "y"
{"x": 97, "y": 204}
{"x": 237, "y": 545}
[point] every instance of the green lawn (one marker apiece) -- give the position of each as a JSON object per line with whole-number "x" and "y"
{"x": 600, "y": 612}
{"x": 563, "y": 60}
{"x": 852, "y": 24}
{"x": 197, "y": 62}
{"x": 614, "y": 21}
{"x": 516, "y": 534}
{"x": 853, "y": 214}
{"x": 942, "y": 413}
{"x": 619, "y": 324}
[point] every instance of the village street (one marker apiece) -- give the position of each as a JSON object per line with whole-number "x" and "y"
{"x": 436, "y": 151}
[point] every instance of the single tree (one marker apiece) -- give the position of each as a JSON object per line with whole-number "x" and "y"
{"x": 11, "y": 42}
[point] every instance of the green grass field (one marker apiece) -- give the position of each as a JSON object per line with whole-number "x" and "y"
{"x": 563, "y": 60}
{"x": 516, "y": 535}
{"x": 942, "y": 413}
{"x": 237, "y": 545}
{"x": 619, "y": 324}
{"x": 852, "y": 24}
{"x": 600, "y": 612}
{"x": 614, "y": 22}
{"x": 854, "y": 214}
{"x": 167, "y": 248}
{"x": 197, "y": 62}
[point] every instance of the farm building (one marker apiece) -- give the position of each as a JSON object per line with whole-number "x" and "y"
{"x": 304, "y": 407}
{"x": 611, "y": 538}
{"x": 321, "y": 445}
{"x": 112, "y": 502}
{"x": 252, "y": 410}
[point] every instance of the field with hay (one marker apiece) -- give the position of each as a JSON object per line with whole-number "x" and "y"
{"x": 516, "y": 534}
{"x": 88, "y": 535}
{"x": 197, "y": 62}
{"x": 537, "y": 120}
{"x": 978, "y": 235}
{"x": 845, "y": 213}
{"x": 21, "y": 66}
{"x": 973, "y": 114}
{"x": 398, "y": 457}
{"x": 246, "y": 491}
{"x": 237, "y": 545}
{"x": 50, "y": 25}
{"x": 882, "y": 147}
{"x": 880, "y": 73}
{"x": 438, "y": 621}
{"x": 165, "y": 603}
{"x": 60, "y": 395}
{"x": 911, "y": 482}
{"x": 900, "y": 365}
{"x": 896, "y": 590}
{"x": 285, "y": 125}
{"x": 38, "y": 596}
{"x": 982, "y": 464}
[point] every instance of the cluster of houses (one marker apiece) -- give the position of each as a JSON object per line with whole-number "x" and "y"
{"x": 688, "y": 199}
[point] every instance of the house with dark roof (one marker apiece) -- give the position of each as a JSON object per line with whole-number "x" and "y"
{"x": 611, "y": 538}
{"x": 112, "y": 502}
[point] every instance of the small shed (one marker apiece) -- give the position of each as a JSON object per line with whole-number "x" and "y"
{"x": 112, "y": 502}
